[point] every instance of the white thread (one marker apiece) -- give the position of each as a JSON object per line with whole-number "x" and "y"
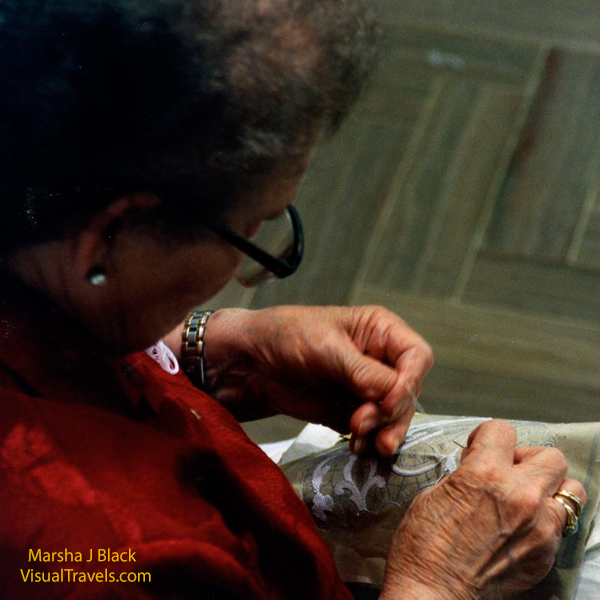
{"x": 416, "y": 472}
{"x": 410, "y": 391}
{"x": 451, "y": 463}
{"x": 441, "y": 423}
{"x": 163, "y": 355}
{"x": 414, "y": 398}
{"x": 359, "y": 496}
{"x": 321, "y": 502}
{"x": 413, "y": 440}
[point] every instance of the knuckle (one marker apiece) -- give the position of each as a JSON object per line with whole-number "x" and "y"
{"x": 489, "y": 473}
{"x": 375, "y": 310}
{"x": 501, "y": 426}
{"x": 555, "y": 459}
{"x": 486, "y": 475}
{"x": 529, "y": 503}
{"x": 428, "y": 357}
{"x": 498, "y": 427}
{"x": 357, "y": 370}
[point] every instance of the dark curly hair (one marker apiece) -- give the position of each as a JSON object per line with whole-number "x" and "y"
{"x": 189, "y": 99}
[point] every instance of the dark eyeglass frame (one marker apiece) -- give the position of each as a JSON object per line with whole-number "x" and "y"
{"x": 279, "y": 267}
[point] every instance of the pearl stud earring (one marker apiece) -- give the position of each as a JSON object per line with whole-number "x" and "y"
{"x": 97, "y": 277}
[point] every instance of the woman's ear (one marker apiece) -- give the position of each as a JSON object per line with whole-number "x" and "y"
{"x": 95, "y": 243}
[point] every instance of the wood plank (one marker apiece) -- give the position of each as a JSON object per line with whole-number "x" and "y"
{"x": 460, "y": 391}
{"x": 535, "y": 286}
{"x": 338, "y": 175}
{"x": 414, "y": 56}
{"x": 558, "y": 21}
{"x": 402, "y": 240}
{"x": 436, "y": 210}
{"x": 468, "y": 183}
{"x": 589, "y": 252}
{"x": 324, "y": 187}
{"x": 557, "y": 162}
{"x": 503, "y": 363}
{"x": 339, "y": 201}
{"x": 501, "y": 341}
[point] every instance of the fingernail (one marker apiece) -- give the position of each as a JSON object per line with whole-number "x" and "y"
{"x": 359, "y": 445}
{"x": 365, "y": 426}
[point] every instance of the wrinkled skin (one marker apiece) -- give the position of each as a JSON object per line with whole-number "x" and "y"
{"x": 489, "y": 530}
{"x": 355, "y": 369}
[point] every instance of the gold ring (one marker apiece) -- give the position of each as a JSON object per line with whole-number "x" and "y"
{"x": 572, "y": 524}
{"x": 577, "y": 503}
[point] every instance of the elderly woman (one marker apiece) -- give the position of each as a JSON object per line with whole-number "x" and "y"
{"x": 143, "y": 143}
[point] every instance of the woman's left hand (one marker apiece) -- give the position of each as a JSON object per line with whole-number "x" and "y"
{"x": 354, "y": 369}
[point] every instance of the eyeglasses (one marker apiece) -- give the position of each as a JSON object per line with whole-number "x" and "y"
{"x": 275, "y": 250}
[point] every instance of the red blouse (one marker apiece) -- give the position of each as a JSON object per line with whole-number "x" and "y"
{"x": 119, "y": 462}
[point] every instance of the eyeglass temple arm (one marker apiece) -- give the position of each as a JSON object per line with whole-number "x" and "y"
{"x": 279, "y": 267}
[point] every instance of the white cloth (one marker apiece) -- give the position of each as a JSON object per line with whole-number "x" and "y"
{"x": 589, "y": 582}
{"x": 315, "y": 438}
{"x": 275, "y": 450}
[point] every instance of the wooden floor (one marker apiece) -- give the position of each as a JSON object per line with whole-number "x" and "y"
{"x": 463, "y": 193}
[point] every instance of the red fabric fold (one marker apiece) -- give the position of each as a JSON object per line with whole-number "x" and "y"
{"x": 99, "y": 454}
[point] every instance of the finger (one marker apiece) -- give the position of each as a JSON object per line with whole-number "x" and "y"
{"x": 389, "y": 438}
{"x": 493, "y": 441}
{"x": 366, "y": 377}
{"x": 364, "y": 421}
{"x": 371, "y": 380}
{"x": 542, "y": 465}
{"x": 358, "y": 445}
{"x": 574, "y": 487}
{"x": 557, "y": 510}
{"x": 366, "y": 418}
{"x": 383, "y": 334}
{"x": 369, "y": 416}
{"x": 528, "y": 555}
{"x": 412, "y": 366}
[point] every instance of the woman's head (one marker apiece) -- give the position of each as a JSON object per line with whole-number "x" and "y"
{"x": 195, "y": 101}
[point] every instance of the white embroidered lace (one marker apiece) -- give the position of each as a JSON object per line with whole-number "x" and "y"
{"x": 163, "y": 355}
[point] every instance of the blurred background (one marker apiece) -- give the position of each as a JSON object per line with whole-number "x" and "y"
{"x": 463, "y": 194}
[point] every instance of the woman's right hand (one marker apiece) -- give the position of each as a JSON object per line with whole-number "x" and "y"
{"x": 489, "y": 530}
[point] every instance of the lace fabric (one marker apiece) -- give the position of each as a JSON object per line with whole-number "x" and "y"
{"x": 163, "y": 355}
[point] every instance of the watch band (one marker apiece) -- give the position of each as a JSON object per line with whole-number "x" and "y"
{"x": 192, "y": 347}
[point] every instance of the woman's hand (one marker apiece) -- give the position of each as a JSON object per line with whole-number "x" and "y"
{"x": 354, "y": 369}
{"x": 488, "y": 531}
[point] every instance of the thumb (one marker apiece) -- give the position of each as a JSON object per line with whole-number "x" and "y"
{"x": 368, "y": 378}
